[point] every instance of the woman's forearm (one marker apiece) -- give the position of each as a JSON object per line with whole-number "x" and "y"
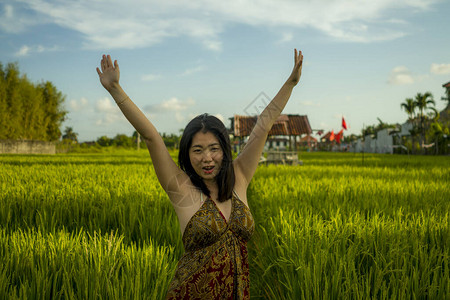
{"x": 276, "y": 106}
{"x": 270, "y": 114}
{"x": 133, "y": 114}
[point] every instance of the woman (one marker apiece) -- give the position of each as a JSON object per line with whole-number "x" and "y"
{"x": 208, "y": 191}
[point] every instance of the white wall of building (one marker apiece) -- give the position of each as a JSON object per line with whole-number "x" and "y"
{"x": 382, "y": 143}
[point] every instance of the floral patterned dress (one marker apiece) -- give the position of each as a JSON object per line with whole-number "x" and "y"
{"x": 215, "y": 262}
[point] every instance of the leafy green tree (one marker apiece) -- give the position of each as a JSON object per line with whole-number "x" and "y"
{"x": 27, "y": 110}
{"x": 53, "y": 100}
{"x": 69, "y": 134}
{"x": 14, "y": 103}
{"x": 439, "y": 134}
{"x": 373, "y": 129}
{"x": 122, "y": 140}
{"x": 104, "y": 141}
{"x": 33, "y": 114}
{"x": 3, "y": 105}
{"x": 382, "y": 125}
{"x": 368, "y": 130}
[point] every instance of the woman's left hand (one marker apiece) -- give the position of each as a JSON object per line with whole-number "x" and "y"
{"x": 110, "y": 74}
{"x": 297, "y": 71}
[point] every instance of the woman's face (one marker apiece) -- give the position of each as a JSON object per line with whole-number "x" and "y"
{"x": 206, "y": 155}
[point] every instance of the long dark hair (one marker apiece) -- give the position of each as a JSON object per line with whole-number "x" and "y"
{"x": 225, "y": 179}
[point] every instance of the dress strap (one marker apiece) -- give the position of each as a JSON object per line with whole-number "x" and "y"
{"x": 236, "y": 194}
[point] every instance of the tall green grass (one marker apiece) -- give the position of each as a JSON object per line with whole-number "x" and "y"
{"x": 36, "y": 265}
{"x": 336, "y": 228}
{"x": 91, "y": 226}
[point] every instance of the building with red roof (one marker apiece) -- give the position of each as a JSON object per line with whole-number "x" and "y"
{"x": 285, "y": 128}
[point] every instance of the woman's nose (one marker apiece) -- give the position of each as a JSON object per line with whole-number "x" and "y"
{"x": 207, "y": 156}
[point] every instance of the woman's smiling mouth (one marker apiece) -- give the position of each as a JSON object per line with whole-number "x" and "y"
{"x": 208, "y": 169}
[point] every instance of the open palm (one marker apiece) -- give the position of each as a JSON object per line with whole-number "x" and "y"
{"x": 110, "y": 73}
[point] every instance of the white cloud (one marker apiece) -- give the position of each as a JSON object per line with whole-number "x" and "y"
{"x": 150, "y": 77}
{"x": 76, "y": 105}
{"x": 139, "y": 23}
{"x": 401, "y": 75}
{"x": 13, "y": 19}
{"x": 23, "y": 51}
{"x": 170, "y": 105}
{"x": 213, "y": 45}
{"x": 105, "y": 105}
{"x": 27, "y": 50}
{"x": 440, "y": 69}
{"x": 109, "y": 112}
{"x": 192, "y": 70}
{"x": 173, "y": 105}
{"x": 286, "y": 37}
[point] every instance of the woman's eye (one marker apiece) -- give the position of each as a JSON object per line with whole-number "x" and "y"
{"x": 215, "y": 149}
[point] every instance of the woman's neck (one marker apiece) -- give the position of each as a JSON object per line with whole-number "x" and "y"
{"x": 212, "y": 187}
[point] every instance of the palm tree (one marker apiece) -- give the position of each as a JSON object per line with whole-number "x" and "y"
{"x": 410, "y": 107}
{"x": 433, "y": 114}
{"x": 423, "y": 102}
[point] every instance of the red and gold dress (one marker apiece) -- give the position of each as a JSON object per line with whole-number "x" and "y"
{"x": 215, "y": 262}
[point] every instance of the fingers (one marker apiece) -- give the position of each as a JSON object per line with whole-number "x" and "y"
{"x": 98, "y": 72}
{"x": 108, "y": 61}
{"x": 298, "y": 58}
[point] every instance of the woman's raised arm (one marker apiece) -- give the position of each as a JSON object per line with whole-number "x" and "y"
{"x": 166, "y": 170}
{"x": 247, "y": 161}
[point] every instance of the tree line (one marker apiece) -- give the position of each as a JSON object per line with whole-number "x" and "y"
{"x": 29, "y": 111}
{"x": 70, "y": 140}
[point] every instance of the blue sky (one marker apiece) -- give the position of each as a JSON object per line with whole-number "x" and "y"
{"x": 178, "y": 59}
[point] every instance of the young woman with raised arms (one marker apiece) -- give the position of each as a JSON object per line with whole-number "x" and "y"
{"x": 208, "y": 190}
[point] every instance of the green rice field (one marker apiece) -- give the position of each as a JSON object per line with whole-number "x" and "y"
{"x": 99, "y": 226}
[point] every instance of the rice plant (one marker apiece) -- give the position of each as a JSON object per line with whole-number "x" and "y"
{"x": 99, "y": 226}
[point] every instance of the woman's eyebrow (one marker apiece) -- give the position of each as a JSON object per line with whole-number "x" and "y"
{"x": 210, "y": 145}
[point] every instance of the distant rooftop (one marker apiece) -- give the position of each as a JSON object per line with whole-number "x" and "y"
{"x": 285, "y": 125}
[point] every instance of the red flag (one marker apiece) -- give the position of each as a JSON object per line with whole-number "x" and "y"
{"x": 339, "y": 136}
{"x": 332, "y": 135}
{"x": 344, "y": 125}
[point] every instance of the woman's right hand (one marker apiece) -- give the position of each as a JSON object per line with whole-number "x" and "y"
{"x": 109, "y": 74}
